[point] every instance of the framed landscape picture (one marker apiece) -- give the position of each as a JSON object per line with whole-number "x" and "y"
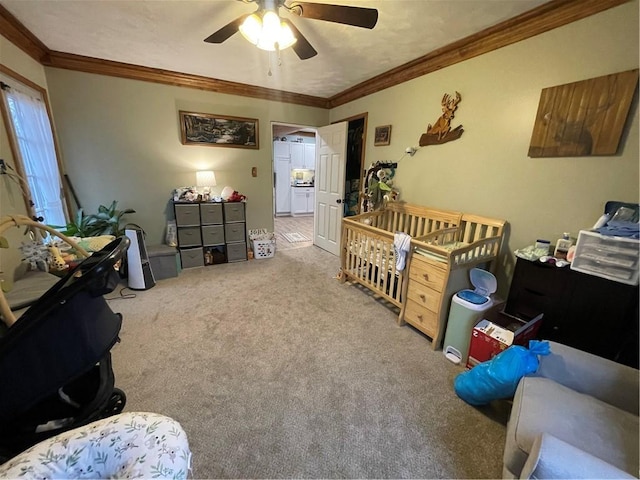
{"x": 382, "y": 135}
{"x": 218, "y": 130}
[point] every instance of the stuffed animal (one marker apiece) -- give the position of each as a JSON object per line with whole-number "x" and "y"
{"x": 56, "y": 262}
{"x": 379, "y": 187}
{"x": 236, "y": 197}
{"x": 37, "y": 254}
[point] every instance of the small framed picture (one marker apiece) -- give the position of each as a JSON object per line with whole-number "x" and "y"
{"x": 382, "y": 135}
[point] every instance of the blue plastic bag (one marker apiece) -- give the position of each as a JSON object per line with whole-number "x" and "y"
{"x": 498, "y": 378}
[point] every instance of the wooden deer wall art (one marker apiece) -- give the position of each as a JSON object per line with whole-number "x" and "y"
{"x": 441, "y": 132}
{"x": 583, "y": 118}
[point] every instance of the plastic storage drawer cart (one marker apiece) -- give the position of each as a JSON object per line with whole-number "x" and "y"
{"x": 614, "y": 258}
{"x": 467, "y": 306}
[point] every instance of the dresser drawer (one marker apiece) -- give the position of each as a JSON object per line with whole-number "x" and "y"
{"x": 211, "y": 213}
{"x": 213, "y": 235}
{"x": 234, "y": 212}
{"x": 235, "y": 232}
{"x": 236, "y": 252}
{"x": 426, "y": 274}
{"x": 422, "y": 318}
{"x": 189, "y": 236}
{"x": 192, "y": 257}
{"x": 424, "y": 296}
{"x": 187, "y": 215}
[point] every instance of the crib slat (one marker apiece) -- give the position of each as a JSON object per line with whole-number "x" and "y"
{"x": 380, "y": 281}
{"x": 370, "y": 260}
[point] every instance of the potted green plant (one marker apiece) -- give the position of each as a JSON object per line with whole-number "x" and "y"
{"x": 108, "y": 221}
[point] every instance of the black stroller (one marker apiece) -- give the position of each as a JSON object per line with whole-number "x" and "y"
{"x": 55, "y": 361}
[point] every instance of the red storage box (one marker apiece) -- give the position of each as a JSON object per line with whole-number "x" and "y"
{"x": 497, "y": 331}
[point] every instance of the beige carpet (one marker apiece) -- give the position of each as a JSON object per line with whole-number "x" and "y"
{"x": 277, "y": 370}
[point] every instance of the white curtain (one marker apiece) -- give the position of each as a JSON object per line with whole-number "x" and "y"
{"x": 35, "y": 139}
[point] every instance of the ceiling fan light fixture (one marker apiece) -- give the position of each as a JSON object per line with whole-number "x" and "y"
{"x": 286, "y": 37}
{"x": 267, "y": 31}
{"x": 251, "y": 28}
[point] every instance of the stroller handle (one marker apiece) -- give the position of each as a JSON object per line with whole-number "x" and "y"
{"x": 22, "y": 220}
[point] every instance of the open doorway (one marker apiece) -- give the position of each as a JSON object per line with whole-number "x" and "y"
{"x": 303, "y": 203}
{"x": 355, "y": 171}
{"x": 293, "y": 184}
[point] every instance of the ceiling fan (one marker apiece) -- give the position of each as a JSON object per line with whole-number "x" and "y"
{"x": 265, "y": 29}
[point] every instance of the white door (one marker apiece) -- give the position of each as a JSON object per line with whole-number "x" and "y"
{"x": 331, "y": 162}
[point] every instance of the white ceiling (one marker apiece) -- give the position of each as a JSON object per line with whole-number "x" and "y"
{"x": 169, "y": 34}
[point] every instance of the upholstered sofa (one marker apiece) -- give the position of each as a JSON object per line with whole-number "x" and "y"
{"x": 576, "y": 417}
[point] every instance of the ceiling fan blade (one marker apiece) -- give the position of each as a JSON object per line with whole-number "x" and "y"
{"x": 355, "y": 16}
{"x": 302, "y": 47}
{"x": 227, "y": 31}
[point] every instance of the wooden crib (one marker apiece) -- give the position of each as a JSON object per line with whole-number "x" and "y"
{"x": 444, "y": 246}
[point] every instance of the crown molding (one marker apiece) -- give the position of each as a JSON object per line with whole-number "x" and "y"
{"x": 135, "y": 72}
{"x": 20, "y": 36}
{"x": 548, "y": 16}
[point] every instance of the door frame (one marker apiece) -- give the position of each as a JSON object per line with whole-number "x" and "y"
{"x": 365, "y": 117}
{"x": 295, "y": 128}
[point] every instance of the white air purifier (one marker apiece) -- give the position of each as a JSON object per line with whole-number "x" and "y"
{"x": 140, "y": 275}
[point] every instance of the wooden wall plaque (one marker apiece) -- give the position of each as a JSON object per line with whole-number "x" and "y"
{"x": 583, "y": 118}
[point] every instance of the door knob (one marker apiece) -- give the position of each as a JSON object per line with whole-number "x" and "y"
{"x": 339, "y": 200}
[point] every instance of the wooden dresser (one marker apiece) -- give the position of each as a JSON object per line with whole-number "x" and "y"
{"x": 431, "y": 286}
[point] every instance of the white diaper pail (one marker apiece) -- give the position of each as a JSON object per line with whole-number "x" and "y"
{"x": 467, "y": 306}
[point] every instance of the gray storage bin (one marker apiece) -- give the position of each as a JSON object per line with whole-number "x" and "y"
{"x": 213, "y": 235}
{"x": 235, "y": 232}
{"x": 164, "y": 261}
{"x": 192, "y": 257}
{"x": 236, "y": 252}
{"x": 187, "y": 215}
{"x": 234, "y": 212}
{"x": 211, "y": 213}
{"x": 189, "y": 237}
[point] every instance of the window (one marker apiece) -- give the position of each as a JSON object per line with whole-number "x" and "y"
{"x": 33, "y": 147}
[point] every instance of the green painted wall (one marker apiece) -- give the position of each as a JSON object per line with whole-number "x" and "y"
{"x": 121, "y": 141}
{"x": 487, "y": 171}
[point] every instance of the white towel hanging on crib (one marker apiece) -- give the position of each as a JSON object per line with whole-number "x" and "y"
{"x": 401, "y": 246}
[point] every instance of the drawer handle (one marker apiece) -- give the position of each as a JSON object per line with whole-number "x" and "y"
{"x": 420, "y": 317}
{"x": 423, "y": 297}
{"x": 426, "y": 276}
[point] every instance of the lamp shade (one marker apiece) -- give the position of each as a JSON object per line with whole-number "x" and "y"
{"x": 205, "y": 178}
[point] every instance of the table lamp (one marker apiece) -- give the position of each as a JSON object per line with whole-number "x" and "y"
{"x": 205, "y": 179}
